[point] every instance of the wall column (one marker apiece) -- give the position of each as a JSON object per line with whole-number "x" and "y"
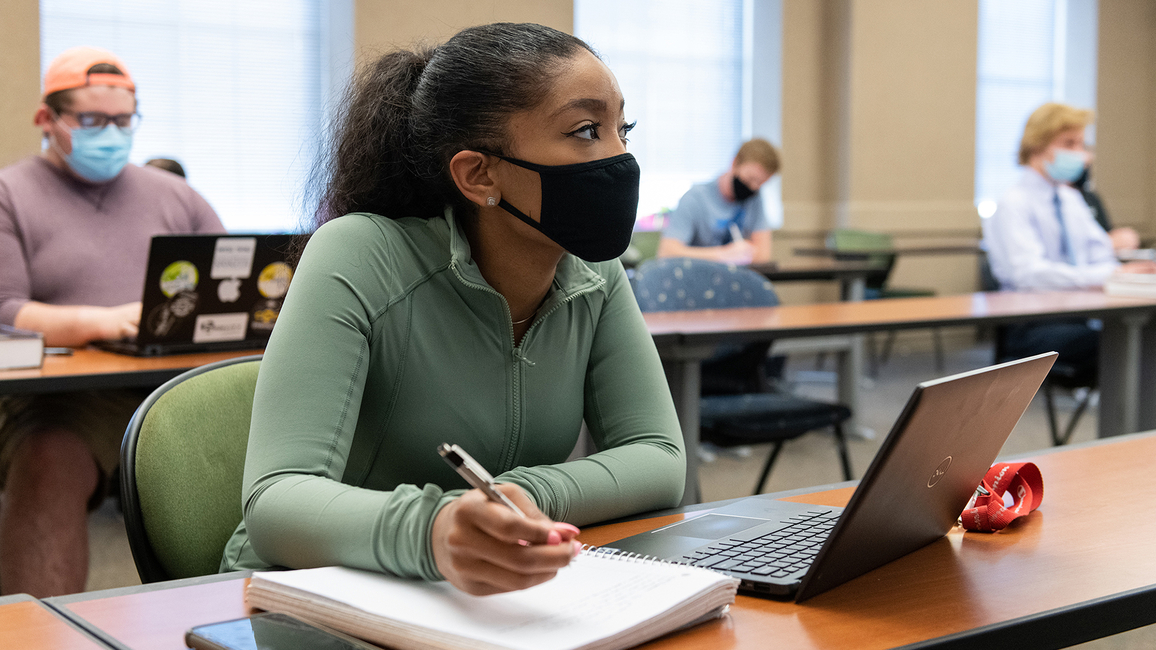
{"x": 1125, "y": 165}
{"x": 381, "y": 26}
{"x": 20, "y": 52}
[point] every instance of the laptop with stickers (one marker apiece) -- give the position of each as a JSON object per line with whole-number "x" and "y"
{"x": 941, "y": 446}
{"x": 207, "y": 293}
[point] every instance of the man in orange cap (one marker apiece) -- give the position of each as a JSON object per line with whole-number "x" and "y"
{"x": 75, "y": 227}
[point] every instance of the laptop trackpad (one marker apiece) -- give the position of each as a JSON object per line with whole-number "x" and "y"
{"x": 713, "y": 526}
{"x": 677, "y": 540}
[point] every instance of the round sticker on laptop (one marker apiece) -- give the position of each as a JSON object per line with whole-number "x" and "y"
{"x": 274, "y": 280}
{"x": 264, "y": 315}
{"x": 177, "y": 277}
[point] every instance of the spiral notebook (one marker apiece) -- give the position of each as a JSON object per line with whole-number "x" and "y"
{"x": 601, "y": 600}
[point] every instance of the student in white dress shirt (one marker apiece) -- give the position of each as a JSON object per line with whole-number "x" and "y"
{"x": 1044, "y": 237}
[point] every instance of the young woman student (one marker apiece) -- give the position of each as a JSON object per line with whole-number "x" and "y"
{"x": 462, "y": 287}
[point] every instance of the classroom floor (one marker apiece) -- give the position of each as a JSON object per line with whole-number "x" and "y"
{"x": 809, "y": 460}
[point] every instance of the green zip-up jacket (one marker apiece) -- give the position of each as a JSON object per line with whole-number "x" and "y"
{"x": 391, "y": 342}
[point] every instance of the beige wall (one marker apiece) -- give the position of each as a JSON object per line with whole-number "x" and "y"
{"x": 1125, "y": 167}
{"x": 879, "y": 129}
{"x": 20, "y": 88}
{"x": 381, "y": 25}
{"x": 815, "y": 87}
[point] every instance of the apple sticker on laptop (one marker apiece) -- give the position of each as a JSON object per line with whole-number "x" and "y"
{"x": 229, "y": 290}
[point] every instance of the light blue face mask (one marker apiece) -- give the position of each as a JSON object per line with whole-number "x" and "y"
{"x": 1066, "y": 166}
{"x": 98, "y": 154}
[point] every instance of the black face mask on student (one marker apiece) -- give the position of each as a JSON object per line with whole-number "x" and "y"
{"x": 587, "y": 208}
{"x": 742, "y": 190}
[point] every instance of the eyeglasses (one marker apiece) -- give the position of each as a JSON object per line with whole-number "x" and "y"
{"x": 97, "y": 120}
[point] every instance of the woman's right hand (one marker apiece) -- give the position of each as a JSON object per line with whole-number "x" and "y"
{"x": 483, "y": 548}
{"x": 739, "y": 251}
{"x": 112, "y": 323}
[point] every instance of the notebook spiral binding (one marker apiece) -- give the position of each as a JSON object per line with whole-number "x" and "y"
{"x": 627, "y": 556}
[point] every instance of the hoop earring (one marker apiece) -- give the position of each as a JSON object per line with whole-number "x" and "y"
{"x": 491, "y": 201}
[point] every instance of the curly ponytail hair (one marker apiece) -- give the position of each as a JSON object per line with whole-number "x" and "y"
{"x": 409, "y": 113}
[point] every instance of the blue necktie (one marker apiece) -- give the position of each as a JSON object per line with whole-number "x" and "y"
{"x": 1065, "y": 241}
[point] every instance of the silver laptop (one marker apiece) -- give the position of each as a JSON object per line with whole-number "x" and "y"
{"x": 936, "y": 455}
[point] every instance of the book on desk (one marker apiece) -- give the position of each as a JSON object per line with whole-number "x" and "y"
{"x": 600, "y": 601}
{"x": 1131, "y": 285}
{"x": 20, "y": 348}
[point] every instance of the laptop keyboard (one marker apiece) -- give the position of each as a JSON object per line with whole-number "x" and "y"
{"x": 778, "y": 554}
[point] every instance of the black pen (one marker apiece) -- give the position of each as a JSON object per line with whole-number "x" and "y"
{"x": 475, "y": 474}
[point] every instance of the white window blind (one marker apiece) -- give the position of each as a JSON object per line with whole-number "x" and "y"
{"x": 680, "y": 66}
{"x": 232, "y": 90}
{"x": 1030, "y": 52}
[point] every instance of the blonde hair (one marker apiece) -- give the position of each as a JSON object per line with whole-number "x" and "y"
{"x": 1046, "y": 123}
{"x": 759, "y": 151}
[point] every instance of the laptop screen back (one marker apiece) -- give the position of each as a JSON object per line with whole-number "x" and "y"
{"x": 205, "y": 289}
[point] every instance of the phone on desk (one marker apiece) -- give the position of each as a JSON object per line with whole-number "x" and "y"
{"x": 269, "y": 631}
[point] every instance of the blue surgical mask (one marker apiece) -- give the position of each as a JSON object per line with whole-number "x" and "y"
{"x": 1066, "y": 166}
{"x": 98, "y": 154}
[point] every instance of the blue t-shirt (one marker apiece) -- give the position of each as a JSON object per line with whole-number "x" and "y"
{"x": 703, "y": 217}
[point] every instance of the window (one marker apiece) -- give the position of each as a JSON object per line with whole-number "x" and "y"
{"x": 233, "y": 90}
{"x": 684, "y": 68}
{"x": 1030, "y": 52}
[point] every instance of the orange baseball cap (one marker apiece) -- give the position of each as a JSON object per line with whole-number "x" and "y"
{"x": 70, "y": 70}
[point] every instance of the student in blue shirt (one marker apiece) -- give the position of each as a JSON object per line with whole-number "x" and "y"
{"x": 708, "y": 215}
{"x": 1043, "y": 236}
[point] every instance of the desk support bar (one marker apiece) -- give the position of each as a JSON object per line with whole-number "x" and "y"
{"x": 684, "y": 376}
{"x": 851, "y": 360}
{"x": 1121, "y": 353}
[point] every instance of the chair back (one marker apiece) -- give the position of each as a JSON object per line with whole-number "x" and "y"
{"x": 987, "y": 280}
{"x": 850, "y": 244}
{"x": 858, "y": 240}
{"x": 182, "y": 461}
{"x": 681, "y": 284}
{"x": 643, "y": 246}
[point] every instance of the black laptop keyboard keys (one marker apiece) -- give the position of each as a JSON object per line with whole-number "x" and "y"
{"x": 777, "y": 554}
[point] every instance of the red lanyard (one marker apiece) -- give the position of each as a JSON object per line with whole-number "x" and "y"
{"x": 988, "y": 513}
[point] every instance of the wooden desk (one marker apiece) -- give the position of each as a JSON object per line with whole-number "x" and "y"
{"x": 850, "y": 275}
{"x": 1049, "y": 580}
{"x": 91, "y": 369}
{"x": 898, "y": 250}
{"x": 1127, "y": 346}
{"x": 28, "y": 624}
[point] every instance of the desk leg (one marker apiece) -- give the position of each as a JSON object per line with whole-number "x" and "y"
{"x": 1122, "y": 344}
{"x": 684, "y": 378}
{"x": 851, "y": 361}
{"x": 1148, "y": 377}
{"x": 850, "y": 375}
{"x": 854, "y": 288}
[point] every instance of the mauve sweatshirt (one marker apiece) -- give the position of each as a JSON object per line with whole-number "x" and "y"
{"x": 64, "y": 241}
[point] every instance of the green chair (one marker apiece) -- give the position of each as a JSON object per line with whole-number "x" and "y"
{"x": 643, "y": 246}
{"x": 879, "y": 248}
{"x": 182, "y": 460}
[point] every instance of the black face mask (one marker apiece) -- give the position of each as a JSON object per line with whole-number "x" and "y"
{"x": 742, "y": 191}
{"x": 587, "y": 208}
